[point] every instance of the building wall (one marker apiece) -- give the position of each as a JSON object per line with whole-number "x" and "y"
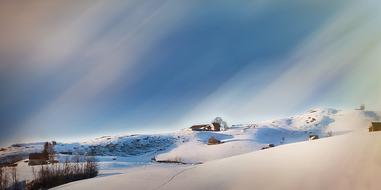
{"x": 375, "y": 127}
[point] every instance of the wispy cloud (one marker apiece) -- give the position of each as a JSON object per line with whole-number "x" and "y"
{"x": 68, "y": 68}
{"x": 335, "y": 63}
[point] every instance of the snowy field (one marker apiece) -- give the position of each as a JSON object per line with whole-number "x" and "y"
{"x": 345, "y": 157}
{"x": 350, "y": 161}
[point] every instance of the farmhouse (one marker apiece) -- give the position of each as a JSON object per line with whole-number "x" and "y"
{"x": 375, "y": 126}
{"x": 38, "y": 159}
{"x": 206, "y": 127}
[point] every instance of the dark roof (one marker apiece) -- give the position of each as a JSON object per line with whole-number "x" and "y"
{"x": 200, "y": 126}
{"x": 38, "y": 156}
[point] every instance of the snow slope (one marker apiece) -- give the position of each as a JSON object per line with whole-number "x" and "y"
{"x": 238, "y": 139}
{"x": 242, "y": 139}
{"x": 115, "y": 153}
{"x": 349, "y": 161}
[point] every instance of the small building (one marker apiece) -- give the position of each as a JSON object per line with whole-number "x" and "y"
{"x": 375, "y": 126}
{"x": 206, "y": 127}
{"x": 38, "y": 159}
{"x": 313, "y": 137}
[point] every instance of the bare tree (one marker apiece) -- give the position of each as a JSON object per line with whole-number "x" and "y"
{"x": 223, "y": 124}
{"x": 14, "y": 178}
{"x": 48, "y": 151}
{"x": 91, "y": 167}
{"x": 4, "y": 178}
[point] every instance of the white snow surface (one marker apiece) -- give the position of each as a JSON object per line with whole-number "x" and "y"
{"x": 345, "y": 162}
{"x": 349, "y": 160}
{"x": 191, "y": 146}
{"x": 125, "y": 154}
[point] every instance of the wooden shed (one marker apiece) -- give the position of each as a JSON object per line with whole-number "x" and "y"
{"x": 375, "y": 126}
{"x": 38, "y": 158}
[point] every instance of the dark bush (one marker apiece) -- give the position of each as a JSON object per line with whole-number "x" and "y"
{"x": 8, "y": 179}
{"x": 213, "y": 140}
{"x": 4, "y": 178}
{"x": 54, "y": 175}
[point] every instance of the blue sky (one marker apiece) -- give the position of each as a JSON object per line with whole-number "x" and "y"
{"x": 72, "y": 70}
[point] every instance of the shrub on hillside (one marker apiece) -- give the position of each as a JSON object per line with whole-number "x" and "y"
{"x": 213, "y": 140}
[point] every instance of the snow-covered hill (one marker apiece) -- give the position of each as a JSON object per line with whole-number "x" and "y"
{"x": 349, "y": 159}
{"x": 345, "y": 162}
{"x": 242, "y": 139}
{"x": 191, "y": 147}
{"x": 134, "y": 154}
